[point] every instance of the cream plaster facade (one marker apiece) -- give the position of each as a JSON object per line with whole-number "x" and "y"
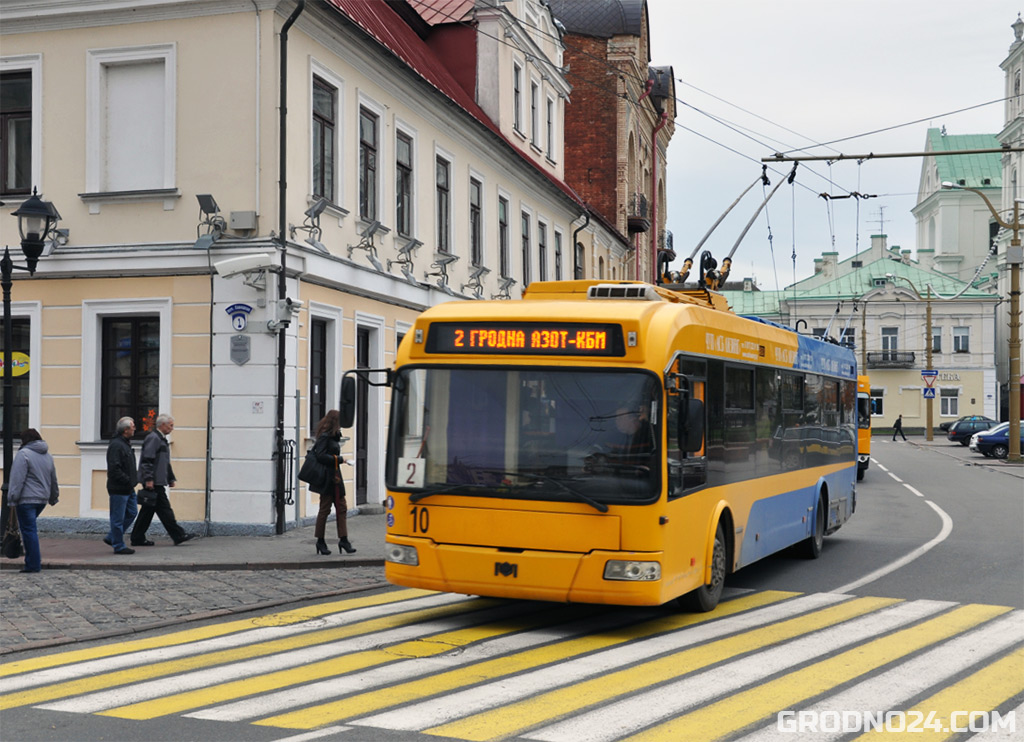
{"x": 131, "y": 249}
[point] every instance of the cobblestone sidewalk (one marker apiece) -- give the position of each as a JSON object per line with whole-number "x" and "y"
{"x": 61, "y": 606}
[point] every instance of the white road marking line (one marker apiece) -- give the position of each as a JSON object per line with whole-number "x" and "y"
{"x": 314, "y": 735}
{"x": 947, "y": 528}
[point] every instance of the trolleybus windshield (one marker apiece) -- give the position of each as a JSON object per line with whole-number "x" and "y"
{"x": 526, "y": 433}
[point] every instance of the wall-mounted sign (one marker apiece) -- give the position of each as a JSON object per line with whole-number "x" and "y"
{"x": 240, "y": 345}
{"x": 19, "y": 364}
{"x": 239, "y": 315}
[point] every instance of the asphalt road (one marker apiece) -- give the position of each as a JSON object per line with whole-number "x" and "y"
{"x": 981, "y": 560}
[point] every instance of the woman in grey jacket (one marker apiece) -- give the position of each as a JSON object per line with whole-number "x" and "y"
{"x": 33, "y": 484}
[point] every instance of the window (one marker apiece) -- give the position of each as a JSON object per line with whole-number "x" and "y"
{"x": 600, "y": 267}
{"x": 961, "y": 339}
{"x": 476, "y": 248}
{"x": 534, "y": 116}
{"x": 526, "y": 248}
{"x": 818, "y": 332}
{"x": 949, "y": 401}
{"x": 936, "y": 340}
{"x": 577, "y": 270}
{"x": 503, "y": 256}
{"x": 324, "y": 114}
{"x": 849, "y": 339}
{"x": 403, "y": 184}
{"x": 558, "y": 256}
{"x": 317, "y": 372}
{"x": 130, "y": 368}
{"x": 20, "y": 347}
{"x": 16, "y": 134}
{"x": 550, "y": 148}
{"x": 890, "y": 342}
{"x": 367, "y": 165}
{"x": 542, "y": 250}
{"x": 131, "y": 119}
{"x": 442, "y": 179}
{"x": 517, "y": 97}
{"x": 877, "y": 402}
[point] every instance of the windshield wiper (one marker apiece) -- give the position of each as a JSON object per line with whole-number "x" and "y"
{"x": 447, "y": 489}
{"x": 576, "y": 494}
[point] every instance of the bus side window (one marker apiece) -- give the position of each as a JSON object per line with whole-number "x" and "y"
{"x": 687, "y": 469}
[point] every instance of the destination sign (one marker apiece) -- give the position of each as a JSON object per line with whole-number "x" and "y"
{"x": 526, "y": 338}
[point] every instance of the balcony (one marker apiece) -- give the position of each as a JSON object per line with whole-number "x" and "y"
{"x": 891, "y": 359}
{"x": 639, "y": 218}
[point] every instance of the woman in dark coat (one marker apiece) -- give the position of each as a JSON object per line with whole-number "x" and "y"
{"x": 327, "y": 451}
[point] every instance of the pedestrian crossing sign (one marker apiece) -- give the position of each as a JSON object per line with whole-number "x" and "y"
{"x": 929, "y": 392}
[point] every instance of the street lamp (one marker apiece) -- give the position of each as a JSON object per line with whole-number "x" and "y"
{"x": 1014, "y": 258}
{"x": 36, "y": 222}
{"x": 927, "y": 344}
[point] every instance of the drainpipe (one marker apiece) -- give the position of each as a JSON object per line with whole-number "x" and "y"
{"x": 654, "y": 194}
{"x": 575, "y": 249}
{"x": 636, "y": 239}
{"x": 282, "y": 288}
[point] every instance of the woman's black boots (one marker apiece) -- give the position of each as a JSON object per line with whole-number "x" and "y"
{"x": 346, "y": 546}
{"x": 321, "y": 547}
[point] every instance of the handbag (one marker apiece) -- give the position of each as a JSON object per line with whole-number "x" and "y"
{"x": 146, "y": 497}
{"x": 11, "y": 546}
{"x": 312, "y": 471}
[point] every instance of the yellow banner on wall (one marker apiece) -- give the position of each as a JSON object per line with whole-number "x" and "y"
{"x": 19, "y": 362}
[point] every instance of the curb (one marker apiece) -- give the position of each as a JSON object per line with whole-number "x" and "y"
{"x": 219, "y": 613}
{"x": 16, "y": 564}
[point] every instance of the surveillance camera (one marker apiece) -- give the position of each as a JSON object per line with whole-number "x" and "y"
{"x": 244, "y": 264}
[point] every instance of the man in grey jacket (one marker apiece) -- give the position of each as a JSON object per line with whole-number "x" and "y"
{"x": 155, "y": 475}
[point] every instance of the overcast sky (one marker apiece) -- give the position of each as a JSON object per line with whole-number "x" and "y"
{"x": 818, "y": 71}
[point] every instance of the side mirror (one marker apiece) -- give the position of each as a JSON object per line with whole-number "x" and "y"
{"x": 347, "y": 402}
{"x": 691, "y": 427}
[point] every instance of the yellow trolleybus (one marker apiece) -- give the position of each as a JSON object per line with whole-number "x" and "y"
{"x": 618, "y": 443}
{"x": 863, "y": 425}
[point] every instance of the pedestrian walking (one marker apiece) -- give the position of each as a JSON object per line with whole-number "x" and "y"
{"x": 327, "y": 450}
{"x": 155, "y": 476}
{"x": 32, "y": 485}
{"x": 122, "y": 478}
{"x": 897, "y": 427}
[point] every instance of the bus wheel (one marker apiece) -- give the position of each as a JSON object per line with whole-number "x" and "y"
{"x": 812, "y": 546}
{"x": 860, "y": 474}
{"x": 706, "y": 597}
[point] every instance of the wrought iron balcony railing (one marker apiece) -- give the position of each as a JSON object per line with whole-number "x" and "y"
{"x": 891, "y": 359}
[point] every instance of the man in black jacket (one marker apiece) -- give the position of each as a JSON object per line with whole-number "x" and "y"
{"x": 155, "y": 475}
{"x": 121, "y": 480}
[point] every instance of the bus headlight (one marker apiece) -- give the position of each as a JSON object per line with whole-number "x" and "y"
{"x": 399, "y": 554}
{"x": 632, "y": 571}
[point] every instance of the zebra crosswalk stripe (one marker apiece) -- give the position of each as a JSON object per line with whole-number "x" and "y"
{"x": 893, "y": 688}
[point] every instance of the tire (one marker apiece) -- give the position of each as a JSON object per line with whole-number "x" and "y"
{"x": 965, "y": 442}
{"x": 1000, "y": 451}
{"x": 812, "y": 547}
{"x": 706, "y": 597}
{"x": 860, "y": 475}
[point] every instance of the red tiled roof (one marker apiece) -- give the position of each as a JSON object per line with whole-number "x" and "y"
{"x": 382, "y": 23}
{"x": 436, "y": 12}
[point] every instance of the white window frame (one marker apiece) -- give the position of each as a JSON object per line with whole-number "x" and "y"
{"x": 33, "y": 64}
{"x": 93, "y": 313}
{"x": 319, "y": 70}
{"x": 476, "y": 175}
{"x": 550, "y": 112}
{"x": 409, "y": 131}
{"x": 949, "y": 402}
{"x": 517, "y": 96}
{"x": 962, "y": 339}
{"x": 96, "y": 61}
{"x": 440, "y": 152}
{"x": 535, "y": 113}
{"x": 383, "y": 140}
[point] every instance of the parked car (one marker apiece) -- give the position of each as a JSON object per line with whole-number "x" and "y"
{"x": 947, "y": 425}
{"x": 995, "y": 443}
{"x": 962, "y": 430}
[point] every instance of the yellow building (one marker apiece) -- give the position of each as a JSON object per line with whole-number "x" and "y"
{"x": 205, "y": 273}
